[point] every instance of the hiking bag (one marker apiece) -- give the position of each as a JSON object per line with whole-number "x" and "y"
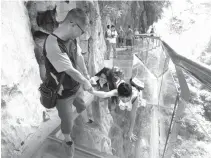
{"x": 106, "y": 34}
{"x": 49, "y": 95}
{"x": 139, "y": 85}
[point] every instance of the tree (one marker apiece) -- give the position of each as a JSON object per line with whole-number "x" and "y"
{"x": 113, "y": 10}
{"x": 154, "y": 10}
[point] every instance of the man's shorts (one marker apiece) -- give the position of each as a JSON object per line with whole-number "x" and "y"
{"x": 121, "y": 40}
{"x": 76, "y": 100}
{"x": 128, "y": 42}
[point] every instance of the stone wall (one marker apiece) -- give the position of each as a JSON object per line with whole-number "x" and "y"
{"x": 20, "y": 107}
{"x": 24, "y": 33}
{"x": 97, "y": 44}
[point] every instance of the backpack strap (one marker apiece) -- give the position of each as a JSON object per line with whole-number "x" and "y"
{"x": 60, "y": 81}
{"x": 45, "y": 58}
{"x": 134, "y": 99}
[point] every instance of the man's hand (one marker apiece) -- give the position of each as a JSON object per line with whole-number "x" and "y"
{"x": 87, "y": 76}
{"x": 92, "y": 81}
{"x": 87, "y": 86}
{"x": 91, "y": 90}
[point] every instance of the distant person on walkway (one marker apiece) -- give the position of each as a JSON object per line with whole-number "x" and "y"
{"x": 83, "y": 43}
{"x": 136, "y": 33}
{"x": 152, "y": 33}
{"x": 62, "y": 56}
{"x": 108, "y": 44}
{"x": 129, "y": 37}
{"x": 121, "y": 37}
{"x": 113, "y": 40}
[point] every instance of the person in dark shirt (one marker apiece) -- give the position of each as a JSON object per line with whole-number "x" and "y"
{"x": 105, "y": 81}
{"x": 62, "y": 57}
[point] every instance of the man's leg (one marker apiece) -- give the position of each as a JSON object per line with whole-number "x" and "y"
{"x": 106, "y": 56}
{"x": 121, "y": 42}
{"x": 114, "y": 49}
{"x": 64, "y": 107}
{"x": 81, "y": 104}
{"x": 127, "y": 43}
{"x": 108, "y": 49}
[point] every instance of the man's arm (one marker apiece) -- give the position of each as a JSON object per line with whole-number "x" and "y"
{"x": 61, "y": 61}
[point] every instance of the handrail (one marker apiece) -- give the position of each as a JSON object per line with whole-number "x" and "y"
{"x": 76, "y": 148}
{"x": 86, "y": 150}
{"x": 148, "y": 35}
{"x": 197, "y": 70}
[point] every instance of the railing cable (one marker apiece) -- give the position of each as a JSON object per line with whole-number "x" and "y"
{"x": 170, "y": 126}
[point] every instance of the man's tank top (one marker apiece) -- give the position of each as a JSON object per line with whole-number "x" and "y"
{"x": 70, "y": 86}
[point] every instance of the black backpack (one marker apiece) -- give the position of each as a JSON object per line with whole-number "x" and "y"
{"x": 48, "y": 94}
{"x": 106, "y": 34}
{"x": 135, "y": 82}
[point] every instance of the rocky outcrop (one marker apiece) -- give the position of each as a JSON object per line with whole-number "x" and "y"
{"x": 97, "y": 47}
{"x": 95, "y": 138}
{"x": 20, "y": 108}
{"x": 22, "y": 52}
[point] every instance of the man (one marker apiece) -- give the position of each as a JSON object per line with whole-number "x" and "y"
{"x": 108, "y": 45}
{"x": 113, "y": 40}
{"x": 136, "y": 33}
{"x": 83, "y": 39}
{"x": 136, "y": 39}
{"x": 62, "y": 56}
{"x": 152, "y": 34}
{"x": 121, "y": 37}
{"x": 152, "y": 31}
{"x": 129, "y": 37}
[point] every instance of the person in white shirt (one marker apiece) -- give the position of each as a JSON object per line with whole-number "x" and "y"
{"x": 108, "y": 45}
{"x": 136, "y": 33}
{"x": 113, "y": 40}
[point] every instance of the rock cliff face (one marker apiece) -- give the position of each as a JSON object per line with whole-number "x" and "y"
{"x": 25, "y": 27}
{"x": 20, "y": 107}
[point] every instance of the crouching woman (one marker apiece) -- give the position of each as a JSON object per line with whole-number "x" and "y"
{"x": 128, "y": 102}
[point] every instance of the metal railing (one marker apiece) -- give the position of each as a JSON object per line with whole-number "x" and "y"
{"x": 142, "y": 47}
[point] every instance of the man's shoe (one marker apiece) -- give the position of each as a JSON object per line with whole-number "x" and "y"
{"x": 92, "y": 124}
{"x": 69, "y": 148}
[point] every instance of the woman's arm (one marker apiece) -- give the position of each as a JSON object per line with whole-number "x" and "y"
{"x": 133, "y": 115}
{"x": 102, "y": 94}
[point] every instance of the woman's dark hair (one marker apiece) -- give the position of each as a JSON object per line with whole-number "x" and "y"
{"x": 112, "y": 26}
{"x": 109, "y": 76}
{"x": 124, "y": 90}
{"x": 108, "y": 26}
{"x": 110, "y": 79}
